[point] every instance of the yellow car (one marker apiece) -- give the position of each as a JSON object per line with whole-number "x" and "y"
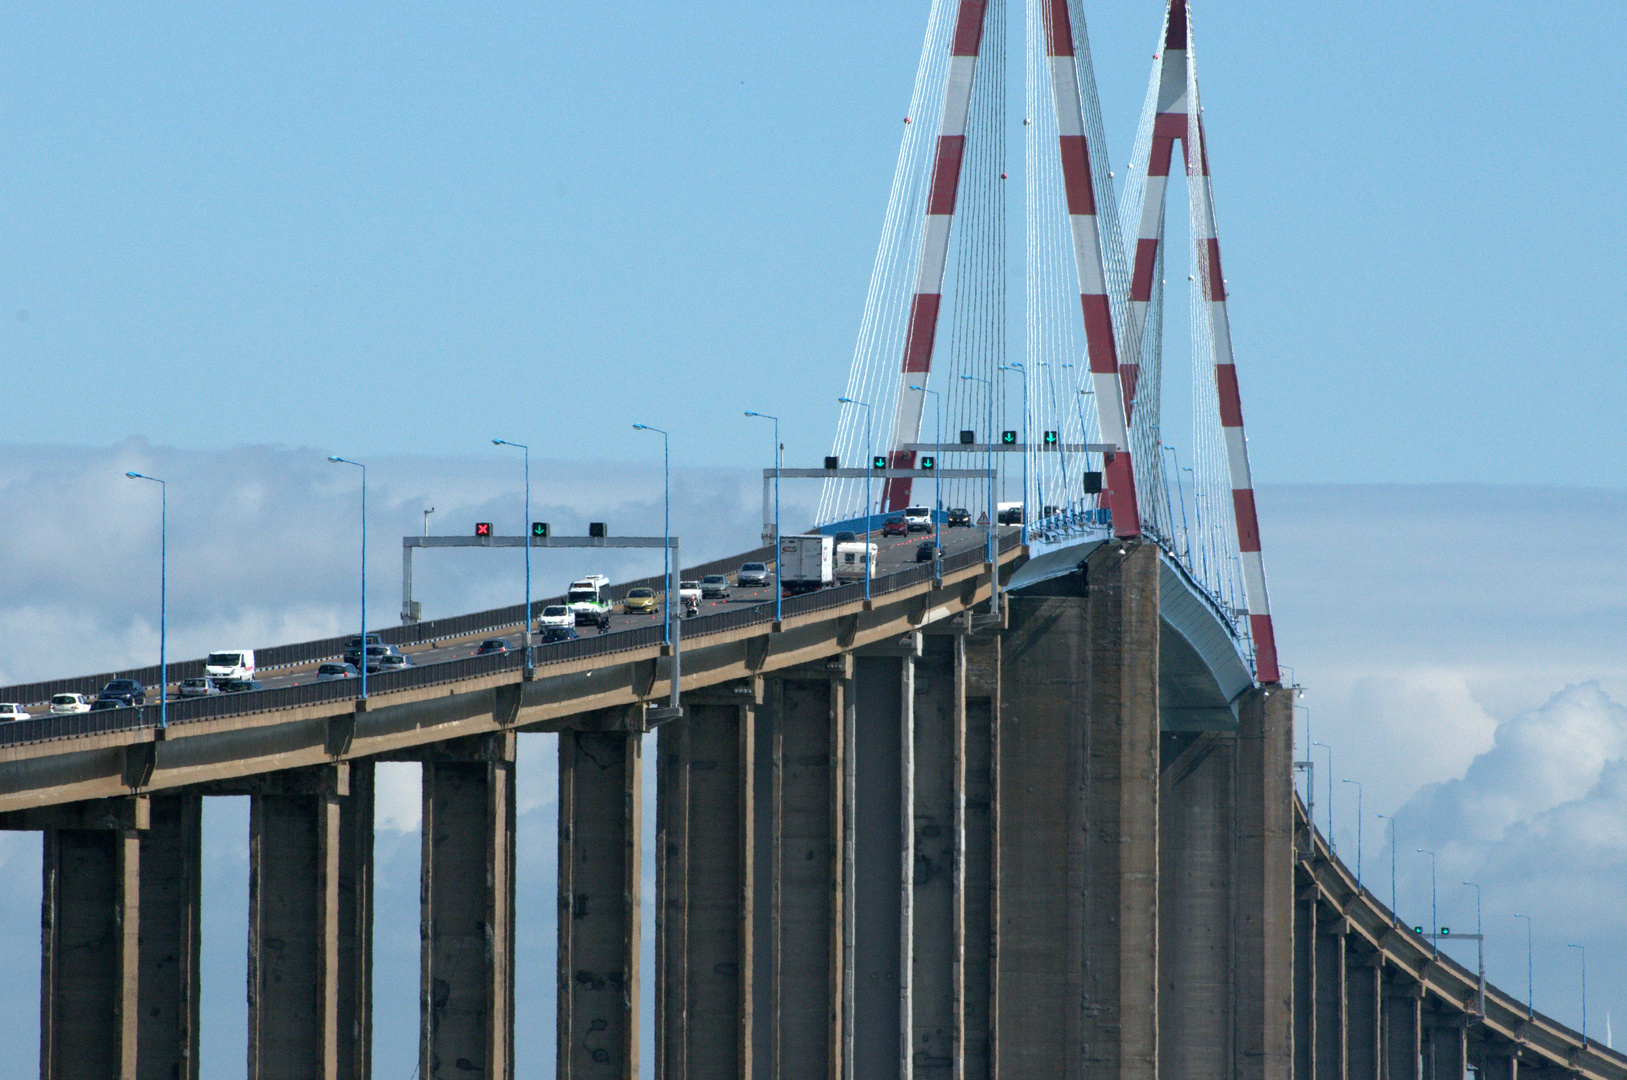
{"x": 639, "y": 602}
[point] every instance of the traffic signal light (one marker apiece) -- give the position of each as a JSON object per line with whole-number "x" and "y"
{"x": 1050, "y": 438}
{"x": 831, "y": 462}
{"x": 1093, "y": 483}
{"x": 482, "y": 528}
{"x": 1008, "y": 438}
{"x": 929, "y": 462}
{"x": 878, "y": 462}
{"x": 539, "y": 528}
{"x": 596, "y": 528}
{"x": 967, "y": 438}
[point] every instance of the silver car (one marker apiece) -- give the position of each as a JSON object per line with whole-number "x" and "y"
{"x": 714, "y": 587}
{"x": 752, "y": 575}
{"x": 69, "y": 703}
{"x": 199, "y": 687}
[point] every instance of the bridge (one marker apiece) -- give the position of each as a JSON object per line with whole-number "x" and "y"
{"x": 1024, "y": 808}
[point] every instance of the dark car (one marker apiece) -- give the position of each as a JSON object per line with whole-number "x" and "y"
{"x": 895, "y": 527}
{"x": 960, "y": 518}
{"x": 108, "y": 703}
{"x": 847, "y": 538}
{"x": 492, "y": 645}
{"x": 926, "y": 551}
{"x": 559, "y": 633}
{"x": 1011, "y": 515}
{"x": 330, "y": 671}
{"x": 353, "y": 648}
{"x": 241, "y": 686}
{"x": 124, "y": 691}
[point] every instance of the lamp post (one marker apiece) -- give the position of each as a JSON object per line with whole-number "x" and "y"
{"x": 1332, "y": 847}
{"x": 937, "y": 480}
{"x": 346, "y": 461}
{"x": 1434, "y": 911}
{"x": 1391, "y": 819}
{"x": 1016, "y": 366}
{"x": 1180, "y": 494}
{"x": 526, "y": 523}
{"x": 779, "y": 591}
{"x": 1530, "y": 1009}
{"x": 666, "y": 525}
{"x": 1480, "y": 940}
{"x": 990, "y": 445}
{"x": 1583, "y": 948}
{"x": 430, "y": 511}
{"x": 1358, "y": 832}
{"x": 869, "y": 472}
{"x": 163, "y": 595}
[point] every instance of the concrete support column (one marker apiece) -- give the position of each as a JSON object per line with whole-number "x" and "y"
{"x": 1195, "y": 883}
{"x": 883, "y": 688}
{"x": 293, "y": 969}
{"x": 1501, "y": 1063}
{"x": 1330, "y": 1002}
{"x": 1263, "y": 887}
{"x": 980, "y": 891}
{"x": 355, "y": 987}
{"x": 167, "y": 1026}
{"x": 937, "y": 944}
{"x": 705, "y": 883}
{"x": 1078, "y": 992}
{"x": 1363, "y": 990}
{"x": 1305, "y": 989}
{"x": 1448, "y": 1048}
{"x": 466, "y": 951}
{"x": 802, "y": 988}
{"x": 1402, "y": 1044}
{"x": 89, "y": 955}
{"x": 600, "y": 860}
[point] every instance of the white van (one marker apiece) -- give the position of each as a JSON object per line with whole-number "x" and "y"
{"x": 855, "y": 561}
{"x": 589, "y": 598}
{"x": 917, "y": 519}
{"x": 229, "y": 664}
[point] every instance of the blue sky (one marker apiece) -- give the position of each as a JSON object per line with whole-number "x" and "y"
{"x": 233, "y": 241}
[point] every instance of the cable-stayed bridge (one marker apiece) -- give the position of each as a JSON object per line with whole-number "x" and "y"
{"x": 1021, "y": 808}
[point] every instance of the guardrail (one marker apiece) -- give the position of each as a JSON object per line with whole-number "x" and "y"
{"x": 193, "y": 710}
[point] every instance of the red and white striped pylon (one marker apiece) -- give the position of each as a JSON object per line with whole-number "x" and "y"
{"x": 1112, "y": 416}
{"x": 923, "y": 328}
{"x": 1179, "y": 116}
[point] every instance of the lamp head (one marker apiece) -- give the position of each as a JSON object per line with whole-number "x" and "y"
{"x": 640, "y": 427}
{"x": 335, "y": 458}
{"x": 134, "y": 475}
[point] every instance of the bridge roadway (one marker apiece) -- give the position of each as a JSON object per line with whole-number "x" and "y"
{"x": 907, "y": 836}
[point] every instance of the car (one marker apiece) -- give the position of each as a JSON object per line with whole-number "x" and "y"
{"x": 958, "y": 518}
{"x": 127, "y": 691}
{"x": 689, "y": 590}
{"x": 559, "y": 633}
{"x": 752, "y": 575}
{"x": 199, "y": 687}
{"x": 10, "y": 710}
{"x": 639, "y": 601}
{"x": 1009, "y": 513}
{"x": 847, "y": 537}
{"x": 927, "y": 550}
{"x": 393, "y": 662}
{"x": 69, "y": 703}
{"x": 918, "y": 518}
{"x": 102, "y": 704}
{"x": 492, "y": 645}
{"x": 353, "y": 647}
{"x": 556, "y": 615}
{"x": 714, "y": 587}
{"x": 240, "y": 686}
{"x": 894, "y": 527}
{"x": 330, "y": 671}
{"x": 376, "y": 655}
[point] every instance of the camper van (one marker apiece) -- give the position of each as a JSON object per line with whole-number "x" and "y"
{"x": 589, "y": 598}
{"x": 229, "y": 665}
{"x": 855, "y": 561}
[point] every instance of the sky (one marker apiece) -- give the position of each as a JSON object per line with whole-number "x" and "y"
{"x": 234, "y": 241}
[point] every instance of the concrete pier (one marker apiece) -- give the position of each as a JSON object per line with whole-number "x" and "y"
{"x": 937, "y": 945}
{"x": 466, "y": 989}
{"x": 980, "y": 915}
{"x": 168, "y": 939}
{"x": 600, "y": 862}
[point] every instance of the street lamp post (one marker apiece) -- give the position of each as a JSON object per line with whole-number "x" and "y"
{"x": 1434, "y": 911}
{"x": 1480, "y": 940}
{"x": 666, "y": 524}
{"x": 1358, "y": 832}
{"x": 163, "y": 595}
{"x": 779, "y": 589}
{"x": 1017, "y": 367}
{"x": 937, "y": 480}
{"x": 1180, "y": 494}
{"x": 1583, "y": 948}
{"x": 1530, "y": 1008}
{"x": 526, "y": 523}
{"x": 869, "y": 473}
{"x": 990, "y": 445}
{"x": 430, "y": 511}
{"x": 346, "y": 461}
{"x": 1391, "y": 819}
{"x": 1332, "y": 847}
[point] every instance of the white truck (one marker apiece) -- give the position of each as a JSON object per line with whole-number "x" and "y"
{"x": 589, "y": 598}
{"x": 855, "y": 561}
{"x": 807, "y": 563}
{"x": 227, "y": 665}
